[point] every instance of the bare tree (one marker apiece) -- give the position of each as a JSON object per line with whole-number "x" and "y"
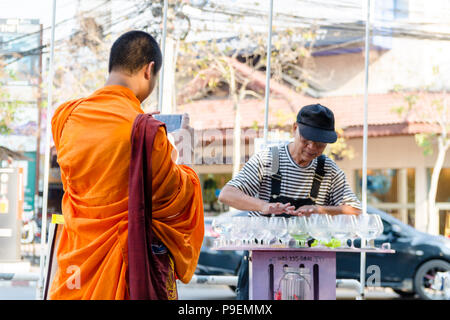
{"x": 213, "y": 67}
{"x": 8, "y": 105}
{"x": 235, "y": 67}
{"x": 430, "y": 107}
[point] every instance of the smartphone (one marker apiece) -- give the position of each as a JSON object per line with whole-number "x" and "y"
{"x": 172, "y": 121}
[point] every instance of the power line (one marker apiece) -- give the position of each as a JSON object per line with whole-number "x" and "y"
{"x": 49, "y": 27}
{"x": 243, "y": 12}
{"x": 339, "y": 6}
{"x": 36, "y": 51}
{"x": 399, "y": 29}
{"x": 357, "y": 27}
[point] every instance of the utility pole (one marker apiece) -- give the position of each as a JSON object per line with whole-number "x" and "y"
{"x": 39, "y": 123}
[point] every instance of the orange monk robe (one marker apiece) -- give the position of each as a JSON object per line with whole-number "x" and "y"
{"x": 92, "y": 139}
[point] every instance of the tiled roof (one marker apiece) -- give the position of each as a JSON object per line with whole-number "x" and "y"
{"x": 349, "y": 114}
{"x": 284, "y": 104}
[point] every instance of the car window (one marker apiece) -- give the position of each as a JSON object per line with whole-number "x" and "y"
{"x": 387, "y": 227}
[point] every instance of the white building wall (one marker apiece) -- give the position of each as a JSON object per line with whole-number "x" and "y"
{"x": 399, "y": 152}
{"x": 409, "y": 63}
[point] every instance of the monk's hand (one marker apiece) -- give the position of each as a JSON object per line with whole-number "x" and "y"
{"x": 307, "y": 210}
{"x": 174, "y": 154}
{"x": 184, "y": 141}
{"x": 154, "y": 112}
{"x": 277, "y": 208}
{"x": 185, "y": 121}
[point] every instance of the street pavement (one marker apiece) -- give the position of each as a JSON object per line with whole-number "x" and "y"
{"x": 10, "y": 290}
{"x": 221, "y": 292}
{"x": 26, "y": 290}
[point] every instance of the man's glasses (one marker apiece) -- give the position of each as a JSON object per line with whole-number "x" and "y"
{"x": 318, "y": 145}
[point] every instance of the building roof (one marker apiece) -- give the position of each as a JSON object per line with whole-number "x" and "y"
{"x": 210, "y": 113}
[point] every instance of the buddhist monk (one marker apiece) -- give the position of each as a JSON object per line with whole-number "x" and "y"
{"x": 94, "y": 137}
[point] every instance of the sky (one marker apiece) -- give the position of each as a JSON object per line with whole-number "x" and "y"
{"x": 42, "y": 9}
{"x": 37, "y": 9}
{"x": 342, "y": 10}
{"x": 27, "y": 9}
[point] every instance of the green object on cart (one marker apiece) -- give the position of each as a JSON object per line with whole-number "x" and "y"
{"x": 333, "y": 243}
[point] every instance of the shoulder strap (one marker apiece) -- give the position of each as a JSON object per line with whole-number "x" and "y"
{"x": 275, "y": 173}
{"x": 318, "y": 177}
{"x": 275, "y": 160}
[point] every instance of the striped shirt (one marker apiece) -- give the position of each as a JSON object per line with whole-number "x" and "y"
{"x": 255, "y": 180}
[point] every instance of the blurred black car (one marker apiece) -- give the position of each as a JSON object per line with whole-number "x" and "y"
{"x": 410, "y": 271}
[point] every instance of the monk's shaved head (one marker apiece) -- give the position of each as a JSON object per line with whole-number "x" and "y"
{"x": 132, "y": 50}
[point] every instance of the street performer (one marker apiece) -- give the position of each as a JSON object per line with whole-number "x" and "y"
{"x": 133, "y": 218}
{"x": 292, "y": 179}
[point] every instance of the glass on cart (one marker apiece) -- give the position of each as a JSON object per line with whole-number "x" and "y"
{"x": 261, "y": 230}
{"x": 250, "y": 230}
{"x": 320, "y": 228}
{"x": 238, "y": 231}
{"x": 298, "y": 230}
{"x": 278, "y": 230}
{"x": 344, "y": 227}
{"x": 369, "y": 227}
{"x": 222, "y": 226}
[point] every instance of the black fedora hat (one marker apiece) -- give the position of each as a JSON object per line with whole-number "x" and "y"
{"x": 316, "y": 123}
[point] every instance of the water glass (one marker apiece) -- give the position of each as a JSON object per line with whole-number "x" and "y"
{"x": 369, "y": 226}
{"x": 221, "y": 225}
{"x": 249, "y": 234}
{"x": 261, "y": 231}
{"x": 298, "y": 230}
{"x": 319, "y": 226}
{"x": 238, "y": 231}
{"x": 343, "y": 226}
{"x": 277, "y": 227}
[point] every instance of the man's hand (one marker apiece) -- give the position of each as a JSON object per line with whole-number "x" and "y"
{"x": 307, "y": 210}
{"x": 277, "y": 208}
{"x": 331, "y": 210}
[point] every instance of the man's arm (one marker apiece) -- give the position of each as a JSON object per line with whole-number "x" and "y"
{"x": 342, "y": 199}
{"x": 331, "y": 210}
{"x": 237, "y": 199}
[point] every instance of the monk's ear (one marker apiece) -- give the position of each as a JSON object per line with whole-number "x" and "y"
{"x": 149, "y": 70}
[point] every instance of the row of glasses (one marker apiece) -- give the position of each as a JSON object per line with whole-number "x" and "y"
{"x": 257, "y": 230}
{"x": 236, "y": 231}
{"x": 343, "y": 227}
{"x": 268, "y": 231}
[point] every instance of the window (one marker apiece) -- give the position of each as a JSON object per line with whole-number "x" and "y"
{"x": 443, "y": 191}
{"x": 212, "y": 184}
{"x": 443, "y": 199}
{"x": 387, "y": 228}
{"x": 390, "y": 190}
{"x": 381, "y": 185}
